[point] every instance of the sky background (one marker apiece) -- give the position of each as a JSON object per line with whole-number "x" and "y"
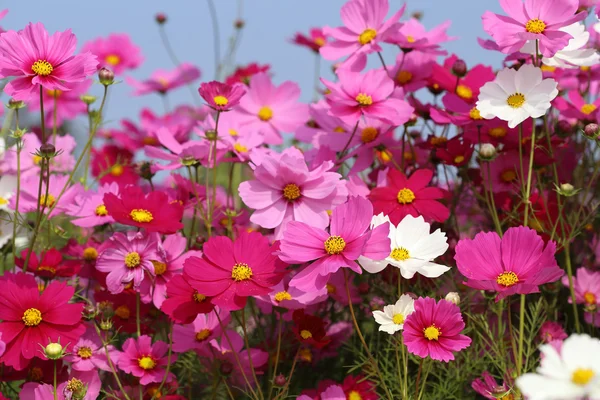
{"x": 269, "y": 24}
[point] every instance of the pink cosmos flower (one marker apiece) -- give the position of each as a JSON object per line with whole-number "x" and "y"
{"x": 551, "y": 331}
{"x": 29, "y": 195}
{"x": 412, "y": 70}
{"x": 220, "y": 96}
{"x": 128, "y": 258}
{"x": 370, "y": 94}
{"x": 516, "y": 263}
{"x": 88, "y": 207}
{"x": 321, "y": 124}
{"x": 88, "y": 353}
{"x": 413, "y": 36}
{"x": 577, "y": 108}
{"x": 199, "y": 333}
{"x": 183, "y": 302}
{"x": 68, "y": 104}
{"x": 35, "y": 58}
{"x": 533, "y": 21}
{"x": 285, "y": 296}
{"x": 364, "y": 28}
{"x": 348, "y": 238}
{"x": 230, "y": 271}
{"x": 178, "y": 155}
{"x": 162, "y": 81}
{"x": 116, "y": 52}
{"x": 314, "y": 41}
{"x": 271, "y": 109}
{"x": 68, "y": 390}
{"x": 433, "y": 330}
{"x": 243, "y": 145}
{"x": 404, "y": 196}
{"x": 113, "y": 164}
{"x": 488, "y": 388}
{"x": 586, "y": 284}
{"x": 145, "y": 360}
{"x": 284, "y": 190}
{"x": 333, "y": 392}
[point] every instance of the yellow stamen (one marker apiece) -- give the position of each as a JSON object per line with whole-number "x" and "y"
{"x": 265, "y": 114}
{"x": 146, "y": 362}
{"x": 281, "y": 296}
{"x": 240, "y": 148}
{"x": 203, "y": 335}
{"x": 406, "y": 196}
{"x": 516, "y": 100}
{"x": 199, "y": 298}
{"x": 305, "y": 334}
{"x": 291, "y": 192}
{"x": 432, "y": 332}
{"x": 464, "y": 92}
{"x": 367, "y": 36}
{"x": 113, "y": 59}
{"x": 590, "y": 298}
{"x": 220, "y": 100}
{"x": 508, "y": 176}
{"x": 364, "y": 99}
{"x": 90, "y": 254}
{"x": 133, "y": 259}
{"x": 475, "y": 114}
{"x": 42, "y": 68}
{"x": 141, "y": 215}
{"x": 241, "y": 272}
{"x": 335, "y": 245}
{"x": 400, "y": 254}
{"x": 587, "y": 109}
{"x": 410, "y": 39}
{"x": 116, "y": 170}
{"x": 398, "y": 319}
{"x": 535, "y": 25}
{"x": 159, "y": 267}
{"x": 101, "y": 211}
{"x": 498, "y": 132}
{"x": 47, "y": 201}
{"x": 32, "y": 317}
{"x": 507, "y": 279}
{"x": 403, "y": 77}
{"x": 369, "y": 134}
{"x": 84, "y": 352}
{"x": 459, "y": 159}
{"x": 123, "y": 312}
{"x": 581, "y": 376}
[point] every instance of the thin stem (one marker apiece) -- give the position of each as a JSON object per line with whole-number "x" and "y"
{"x": 39, "y": 211}
{"x": 54, "y": 117}
{"x": 418, "y": 377}
{"x": 571, "y": 286}
{"x": 383, "y": 62}
{"x": 289, "y": 379}
{"x": 216, "y": 37}
{"x": 137, "y": 315}
{"x": 18, "y": 194}
{"x": 110, "y": 364}
{"x": 54, "y": 384}
{"x": 42, "y": 119}
{"x": 529, "y": 174}
{"x": 521, "y": 334}
{"x": 278, "y": 352}
{"x": 247, "y": 343}
{"x": 343, "y": 152}
{"x": 166, "y": 375}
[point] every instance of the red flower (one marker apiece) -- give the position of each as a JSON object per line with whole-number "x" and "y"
{"x": 50, "y": 266}
{"x": 30, "y": 319}
{"x": 152, "y": 211}
{"x": 409, "y": 196}
{"x": 314, "y": 41}
{"x": 457, "y": 152}
{"x": 310, "y": 329}
{"x": 358, "y": 387}
{"x": 113, "y": 164}
{"x": 122, "y": 309}
{"x": 243, "y": 74}
{"x": 184, "y": 303}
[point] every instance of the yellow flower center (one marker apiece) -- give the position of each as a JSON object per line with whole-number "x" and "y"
{"x": 330, "y": 288}
{"x": 265, "y": 113}
{"x": 159, "y": 267}
{"x": 398, "y": 319}
{"x": 123, "y": 312}
{"x": 459, "y": 159}
{"x": 281, "y": 296}
{"x": 133, "y": 259}
{"x": 291, "y": 192}
{"x": 52, "y": 270}
{"x": 220, "y": 100}
{"x": 305, "y": 355}
{"x": 547, "y": 68}
{"x": 464, "y": 92}
{"x": 508, "y": 176}
{"x": 90, "y": 254}
{"x": 199, "y": 298}
{"x": 150, "y": 141}
{"x": 400, "y": 254}
{"x": 146, "y": 362}
{"x": 233, "y": 132}
{"x": 116, "y": 170}
{"x": 240, "y": 148}
{"x": 432, "y": 332}
{"x": 42, "y": 68}
{"x": 319, "y": 41}
{"x": 54, "y": 92}
{"x": 47, "y": 201}
{"x": 305, "y": 334}
{"x": 339, "y": 129}
{"x": 141, "y": 215}
{"x": 335, "y": 245}
{"x": 367, "y": 36}
{"x": 475, "y": 114}
{"x": 587, "y": 109}
{"x": 498, "y": 132}
{"x": 406, "y": 196}
{"x": 369, "y": 134}
{"x": 202, "y": 335}
{"x": 403, "y": 77}
{"x": 37, "y": 160}
{"x": 3, "y": 201}
{"x": 535, "y": 26}
{"x": 410, "y": 39}
{"x": 354, "y": 395}
{"x": 101, "y": 210}
{"x": 364, "y": 99}
{"x": 241, "y": 272}
{"x": 590, "y": 298}
{"x": 585, "y": 68}
{"x": 113, "y": 59}
{"x": 74, "y": 385}
{"x": 438, "y": 140}
{"x": 507, "y": 279}
{"x": 84, "y": 352}
{"x": 32, "y": 317}
{"x": 581, "y": 376}
{"x": 516, "y": 100}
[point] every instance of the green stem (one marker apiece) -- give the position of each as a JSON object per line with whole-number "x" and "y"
{"x": 278, "y": 352}
{"x": 54, "y": 384}
{"x": 42, "y": 119}
{"x": 169, "y": 354}
{"x": 529, "y": 175}
{"x": 521, "y": 334}
{"x": 571, "y": 286}
{"x": 247, "y": 343}
{"x": 18, "y": 194}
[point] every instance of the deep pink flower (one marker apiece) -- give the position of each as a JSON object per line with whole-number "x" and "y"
{"x": 286, "y": 190}
{"x": 68, "y": 390}
{"x": 116, "y": 52}
{"x": 516, "y": 263}
{"x": 162, "y": 81}
{"x": 36, "y": 58}
{"x": 467, "y": 87}
{"x": 488, "y": 388}
{"x": 145, "y": 360}
{"x": 183, "y": 302}
{"x": 230, "y": 271}
{"x": 113, "y": 164}
{"x": 244, "y": 73}
{"x": 577, "y": 108}
{"x": 348, "y": 238}
{"x": 271, "y": 109}
{"x": 199, "y": 333}
{"x": 412, "y": 36}
{"x": 221, "y": 96}
{"x": 586, "y": 284}
{"x": 404, "y": 196}
{"x": 88, "y": 353}
{"x": 29, "y": 194}
{"x": 551, "y": 331}
{"x": 364, "y": 28}
{"x": 433, "y": 330}
{"x": 370, "y": 94}
{"x": 177, "y": 154}
{"x": 285, "y": 296}
{"x": 314, "y": 41}
{"x": 412, "y": 70}
{"x": 531, "y": 21}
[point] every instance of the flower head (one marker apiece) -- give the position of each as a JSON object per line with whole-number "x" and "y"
{"x": 183, "y": 302}
{"x": 314, "y": 41}
{"x": 145, "y": 360}
{"x": 310, "y": 329}
{"x": 162, "y": 81}
{"x": 221, "y": 96}
{"x": 116, "y": 52}
{"x": 392, "y": 318}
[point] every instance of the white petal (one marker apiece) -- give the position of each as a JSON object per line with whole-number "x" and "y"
{"x": 539, "y": 387}
{"x": 432, "y": 270}
{"x": 372, "y": 266}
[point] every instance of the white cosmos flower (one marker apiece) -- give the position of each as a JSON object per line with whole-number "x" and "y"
{"x": 515, "y": 95}
{"x": 571, "y": 373}
{"x": 574, "y": 55}
{"x": 6, "y": 230}
{"x": 412, "y": 248}
{"x": 392, "y": 318}
{"x": 8, "y": 185}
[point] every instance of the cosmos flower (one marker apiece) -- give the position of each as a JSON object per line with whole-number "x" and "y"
{"x": 183, "y": 302}
{"x": 116, "y": 52}
{"x": 162, "y": 81}
{"x": 391, "y": 319}
{"x": 88, "y": 353}
{"x": 146, "y": 360}
{"x": 88, "y": 208}
{"x": 314, "y": 41}
{"x": 199, "y": 333}
{"x": 221, "y": 96}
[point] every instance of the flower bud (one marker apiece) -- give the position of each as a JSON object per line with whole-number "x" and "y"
{"x": 144, "y": 170}
{"x": 564, "y": 128}
{"x": 280, "y": 380}
{"x": 160, "y": 18}
{"x": 567, "y": 190}
{"x": 459, "y": 68}
{"x": 106, "y": 325}
{"x": 54, "y": 351}
{"x": 106, "y": 76}
{"x": 15, "y": 104}
{"x": 18, "y": 133}
{"x": 211, "y": 134}
{"x": 453, "y": 297}
{"x": 239, "y": 23}
{"x": 487, "y": 151}
{"x": 89, "y": 311}
{"x": 226, "y": 368}
{"x": 88, "y": 99}
{"x": 47, "y": 150}
{"x": 417, "y": 15}
{"x": 591, "y": 131}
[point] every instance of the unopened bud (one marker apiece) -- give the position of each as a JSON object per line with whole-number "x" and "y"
{"x": 106, "y": 325}
{"x": 564, "y": 128}
{"x": 88, "y": 99}
{"x": 211, "y": 134}
{"x": 75, "y": 389}
{"x": 160, "y": 18}
{"x": 144, "y": 170}
{"x": 106, "y": 76}
{"x": 89, "y": 311}
{"x": 591, "y": 131}
{"x": 15, "y": 104}
{"x": 459, "y": 68}
{"x": 487, "y": 151}
{"x": 280, "y": 380}
{"x": 567, "y": 190}
{"x": 47, "y": 150}
{"x": 417, "y": 15}
{"x": 239, "y": 23}
{"x": 453, "y": 297}
{"x": 18, "y": 133}
{"x": 54, "y": 351}
{"x": 226, "y": 368}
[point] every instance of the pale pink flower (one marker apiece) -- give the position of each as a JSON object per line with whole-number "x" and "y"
{"x": 162, "y": 81}
{"x": 116, "y": 52}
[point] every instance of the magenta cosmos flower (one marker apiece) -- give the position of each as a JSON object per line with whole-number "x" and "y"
{"x": 183, "y": 302}
{"x": 162, "y": 81}
{"x": 284, "y": 190}
{"x": 230, "y": 271}
{"x": 116, "y": 52}
{"x": 364, "y": 28}
{"x": 370, "y": 94}
{"x": 404, "y": 196}
{"x": 516, "y": 263}
{"x": 128, "y": 258}
{"x": 271, "y": 109}
{"x": 145, "y": 360}
{"x": 199, "y": 333}
{"x": 348, "y": 238}
{"x": 88, "y": 353}
{"x": 433, "y": 330}
{"x": 35, "y": 58}
{"x": 533, "y": 20}
{"x": 587, "y": 287}
{"x": 221, "y": 96}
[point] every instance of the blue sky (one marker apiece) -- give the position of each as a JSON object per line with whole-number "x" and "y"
{"x": 265, "y": 39}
